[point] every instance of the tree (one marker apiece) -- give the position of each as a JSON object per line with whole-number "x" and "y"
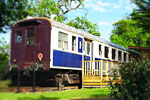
{"x": 60, "y": 8}
{"x": 142, "y": 14}
{"x": 126, "y": 33}
{"x": 11, "y": 11}
{"x": 85, "y": 25}
{"x": 16, "y": 10}
{"x": 4, "y": 59}
{"x": 46, "y": 8}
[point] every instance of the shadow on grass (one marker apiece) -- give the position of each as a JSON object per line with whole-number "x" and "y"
{"x": 39, "y": 98}
{"x": 94, "y": 99}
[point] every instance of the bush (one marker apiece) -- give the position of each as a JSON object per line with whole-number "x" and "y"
{"x": 4, "y": 59}
{"x": 4, "y": 71}
{"x": 136, "y": 81}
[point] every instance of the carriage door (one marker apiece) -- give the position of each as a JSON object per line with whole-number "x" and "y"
{"x": 28, "y": 44}
{"x": 88, "y": 49}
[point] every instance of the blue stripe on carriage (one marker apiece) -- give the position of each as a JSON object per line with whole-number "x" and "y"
{"x": 86, "y": 58}
{"x": 97, "y": 59}
{"x": 66, "y": 59}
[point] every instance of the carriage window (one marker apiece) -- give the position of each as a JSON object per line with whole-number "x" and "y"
{"x": 19, "y": 36}
{"x": 100, "y": 50}
{"x": 113, "y": 53}
{"x": 125, "y": 57}
{"x": 119, "y": 56}
{"x": 88, "y": 48}
{"x": 30, "y": 36}
{"x": 106, "y": 52}
{"x": 130, "y": 57}
{"x": 83, "y": 46}
{"x": 73, "y": 43}
{"x": 63, "y": 41}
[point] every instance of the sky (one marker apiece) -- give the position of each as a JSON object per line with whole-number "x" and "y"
{"x": 102, "y": 12}
{"x": 105, "y": 13}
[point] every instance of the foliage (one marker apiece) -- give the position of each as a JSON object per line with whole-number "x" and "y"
{"x": 11, "y": 11}
{"x": 4, "y": 59}
{"x": 14, "y": 10}
{"x": 127, "y": 33}
{"x": 136, "y": 81}
{"x": 142, "y": 14}
{"x": 59, "y": 95}
{"x": 43, "y": 8}
{"x": 85, "y": 25}
{"x": 59, "y": 8}
{"x": 134, "y": 31}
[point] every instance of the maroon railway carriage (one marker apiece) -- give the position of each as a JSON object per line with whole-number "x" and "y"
{"x": 30, "y": 46}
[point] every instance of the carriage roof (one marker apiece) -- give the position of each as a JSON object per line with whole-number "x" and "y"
{"x": 80, "y": 32}
{"x": 89, "y": 36}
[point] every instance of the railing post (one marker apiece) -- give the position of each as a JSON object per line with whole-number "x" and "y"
{"x": 106, "y": 70}
{"x": 112, "y": 65}
{"x": 101, "y": 70}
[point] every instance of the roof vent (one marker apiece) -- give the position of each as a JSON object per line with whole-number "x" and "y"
{"x": 29, "y": 17}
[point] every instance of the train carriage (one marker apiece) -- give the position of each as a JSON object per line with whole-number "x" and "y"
{"x": 58, "y": 49}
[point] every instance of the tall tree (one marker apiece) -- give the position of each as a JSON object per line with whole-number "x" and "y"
{"x": 85, "y": 25}
{"x": 11, "y": 11}
{"x": 142, "y": 14}
{"x": 19, "y": 9}
{"x": 127, "y": 33}
{"x": 59, "y": 8}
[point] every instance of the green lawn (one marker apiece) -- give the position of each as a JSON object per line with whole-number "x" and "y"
{"x": 59, "y": 95}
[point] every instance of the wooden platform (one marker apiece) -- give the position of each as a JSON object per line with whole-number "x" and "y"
{"x": 97, "y": 73}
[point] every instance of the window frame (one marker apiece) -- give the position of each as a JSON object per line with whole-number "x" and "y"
{"x": 27, "y": 30}
{"x": 74, "y": 45}
{"x": 113, "y": 55}
{"x": 88, "y": 49}
{"x": 125, "y": 57}
{"x": 63, "y": 41}
{"x": 16, "y": 36}
{"x": 106, "y": 54}
{"x": 119, "y": 56}
{"x": 100, "y": 50}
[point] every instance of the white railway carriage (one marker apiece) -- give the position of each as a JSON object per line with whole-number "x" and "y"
{"x": 70, "y": 46}
{"x": 59, "y": 48}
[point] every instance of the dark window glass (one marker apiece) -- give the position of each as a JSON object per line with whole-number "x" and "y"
{"x": 88, "y": 48}
{"x": 100, "y": 50}
{"x": 19, "y": 36}
{"x": 106, "y": 52}
{"x": 73, "y": 43}
{"x": 113, "y": 53}
{"x": 30, "y": 36}
{"x": 119, "y": 56}
{"x": 130, "y": 56}
{"x": 125, "y": 57}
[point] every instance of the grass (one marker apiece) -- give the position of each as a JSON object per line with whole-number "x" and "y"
{"x": 4, "y": 84}
{"x": 58, "y": 95}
